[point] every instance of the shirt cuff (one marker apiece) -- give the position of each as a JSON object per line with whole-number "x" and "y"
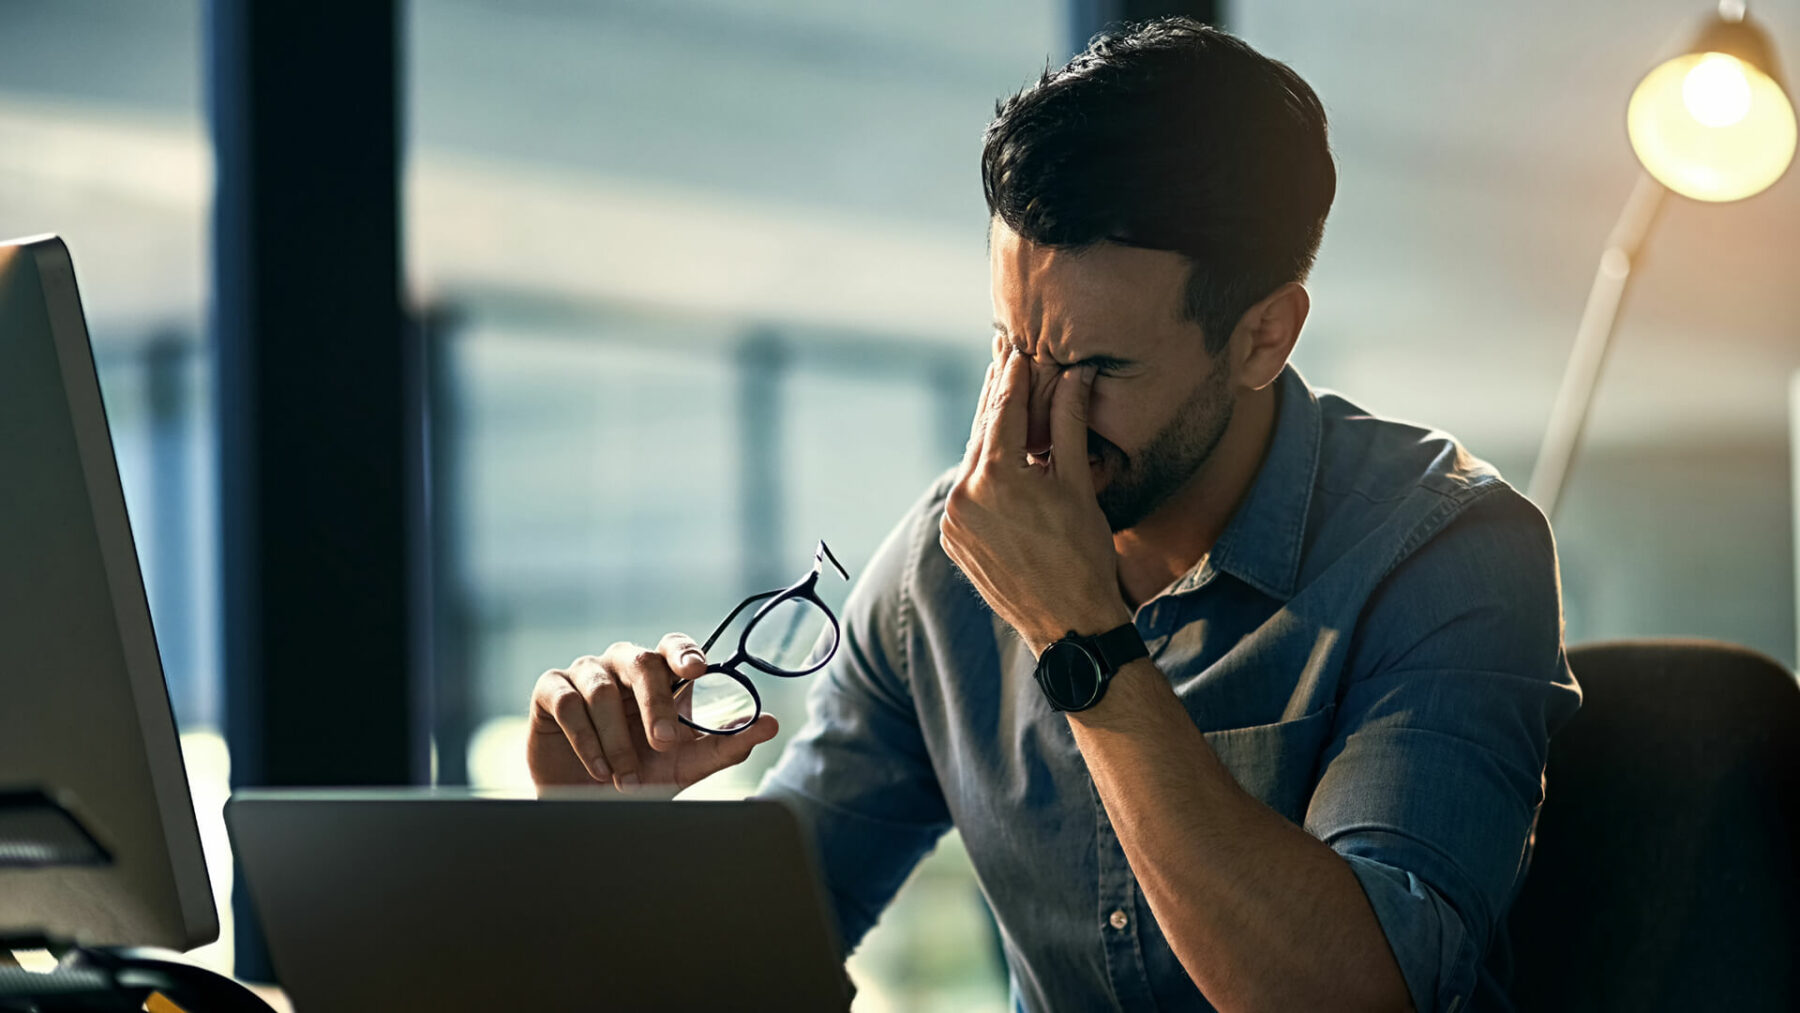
{"x": 1436, "y": 954}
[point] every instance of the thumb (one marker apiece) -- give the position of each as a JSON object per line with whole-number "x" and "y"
{"x": 716, "y": 752}
{"x": 1069, "y": 426}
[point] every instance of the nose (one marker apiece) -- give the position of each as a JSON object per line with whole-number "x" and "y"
{"x": 1037, "y": 429}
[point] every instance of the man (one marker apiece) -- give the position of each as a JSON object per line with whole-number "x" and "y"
{"x": 1239, "y": 696}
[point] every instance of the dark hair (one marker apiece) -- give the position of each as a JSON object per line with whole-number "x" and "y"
{"x": 1170, "y": 135}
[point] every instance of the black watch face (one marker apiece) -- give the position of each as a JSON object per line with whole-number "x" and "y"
{"x": 1070, "y": 676}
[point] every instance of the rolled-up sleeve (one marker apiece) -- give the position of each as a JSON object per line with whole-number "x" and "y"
{"x": 858, "y": 772}
{"x": 1431, "y": 782}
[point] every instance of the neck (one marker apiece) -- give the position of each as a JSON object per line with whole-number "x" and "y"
{"x": 1167, "y": 544}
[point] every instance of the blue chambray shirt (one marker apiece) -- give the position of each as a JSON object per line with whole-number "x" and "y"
{"x": 1373, "y": 647}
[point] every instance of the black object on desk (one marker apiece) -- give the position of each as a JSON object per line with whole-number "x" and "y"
{"x": 39, "y": 832}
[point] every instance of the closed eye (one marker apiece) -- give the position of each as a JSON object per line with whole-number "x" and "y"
{"x": 1107, "y": 366}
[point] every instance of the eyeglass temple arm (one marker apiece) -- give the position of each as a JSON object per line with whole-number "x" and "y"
{"x": 726, "y": 624}
{"x": 822, "y": 554}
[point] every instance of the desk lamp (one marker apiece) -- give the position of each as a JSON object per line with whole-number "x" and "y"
{"x": 1714, "y": 124}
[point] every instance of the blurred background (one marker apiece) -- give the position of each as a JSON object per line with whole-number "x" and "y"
{"x": 700, "y": 282}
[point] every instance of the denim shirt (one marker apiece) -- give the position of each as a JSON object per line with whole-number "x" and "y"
{"x": 1373, "y": 648}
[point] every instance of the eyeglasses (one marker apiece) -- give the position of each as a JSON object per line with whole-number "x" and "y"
{"x": 793, "y": 633}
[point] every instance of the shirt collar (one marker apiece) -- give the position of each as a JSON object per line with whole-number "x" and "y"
{"x": 1261, "y": 543}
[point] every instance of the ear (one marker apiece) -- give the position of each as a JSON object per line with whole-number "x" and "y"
{"x": 1265, "y": 335}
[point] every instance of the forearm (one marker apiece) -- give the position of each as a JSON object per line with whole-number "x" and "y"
{"x": 1261, "y": 914}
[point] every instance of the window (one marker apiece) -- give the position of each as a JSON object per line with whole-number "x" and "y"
{"x": 707, "y": 282}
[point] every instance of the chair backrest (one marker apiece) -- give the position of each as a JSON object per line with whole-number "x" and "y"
{"x": 1667, "y": 870}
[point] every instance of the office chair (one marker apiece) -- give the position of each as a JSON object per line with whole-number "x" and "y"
{"x": 1667, "y": 870}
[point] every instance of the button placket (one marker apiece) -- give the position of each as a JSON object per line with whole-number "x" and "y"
{"x": 1118, "y": 931}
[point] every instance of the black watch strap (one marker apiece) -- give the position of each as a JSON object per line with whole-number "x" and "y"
{"x": 1118, "y": 647}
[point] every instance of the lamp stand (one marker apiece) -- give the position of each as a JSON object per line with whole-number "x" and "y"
{"x": 1598, "y": 321}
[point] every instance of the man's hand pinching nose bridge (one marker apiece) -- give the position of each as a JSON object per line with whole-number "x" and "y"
{"x": 1044, "y": 381}
{"x": 1029, "y": 534}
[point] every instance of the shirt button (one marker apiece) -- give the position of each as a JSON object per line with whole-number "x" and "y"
{"x": 1117, "y": 920}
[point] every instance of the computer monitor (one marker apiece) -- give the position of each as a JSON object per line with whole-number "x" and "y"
{"x": 84, "y": 712}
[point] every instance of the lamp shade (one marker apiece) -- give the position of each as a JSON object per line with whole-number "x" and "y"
{"x": 1715, "y": 123}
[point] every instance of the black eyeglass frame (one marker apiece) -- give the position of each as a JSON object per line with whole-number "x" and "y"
{"x": 804, "y": 589}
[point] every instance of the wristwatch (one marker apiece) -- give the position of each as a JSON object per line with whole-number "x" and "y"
{"x": 1074, "y": 671}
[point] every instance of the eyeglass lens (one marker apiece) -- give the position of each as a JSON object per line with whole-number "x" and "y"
{"x": 720, "y": 703}
{"x": 794, "y": 635}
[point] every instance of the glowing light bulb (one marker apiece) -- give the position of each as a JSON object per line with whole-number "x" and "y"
{"x": 1715, "y": 91}
{"x": 1711, "y": 126}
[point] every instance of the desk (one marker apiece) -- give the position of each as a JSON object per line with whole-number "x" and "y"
{"x": 269, "y": 994}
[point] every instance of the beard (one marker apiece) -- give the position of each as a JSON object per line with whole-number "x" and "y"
{"x": 1138, "y": 484}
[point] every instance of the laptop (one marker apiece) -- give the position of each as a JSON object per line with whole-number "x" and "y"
{"x": 427, "y": 900}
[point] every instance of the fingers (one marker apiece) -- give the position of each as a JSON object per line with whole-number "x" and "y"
{"x": 617, "y": 713}
{"x": 978, "y": 426}
{"x": 598, "y": 682}
{"x": 554, "y": 700}
{"x": 1069, "y": 426}
{"x": 1008, "y": 408}
{"x": 683, "y": 659}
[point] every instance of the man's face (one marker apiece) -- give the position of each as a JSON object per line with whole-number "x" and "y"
{"x": 1160, "y": 403}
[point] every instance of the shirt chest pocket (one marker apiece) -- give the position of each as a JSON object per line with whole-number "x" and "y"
{"x": 1276, "y": 762}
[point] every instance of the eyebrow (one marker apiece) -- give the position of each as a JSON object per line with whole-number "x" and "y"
{"x": 1098, "y": 361}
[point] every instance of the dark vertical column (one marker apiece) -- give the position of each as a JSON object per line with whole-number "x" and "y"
{"x": 449, "y": 696}
{"x": 762, "y": 358}
{"x": 1089, "y": 16}
{"x": 317, "y": 410}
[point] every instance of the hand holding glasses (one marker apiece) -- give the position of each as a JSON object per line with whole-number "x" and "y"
{"x": 792, "y": 633}
{"x": 613, "y": 718}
